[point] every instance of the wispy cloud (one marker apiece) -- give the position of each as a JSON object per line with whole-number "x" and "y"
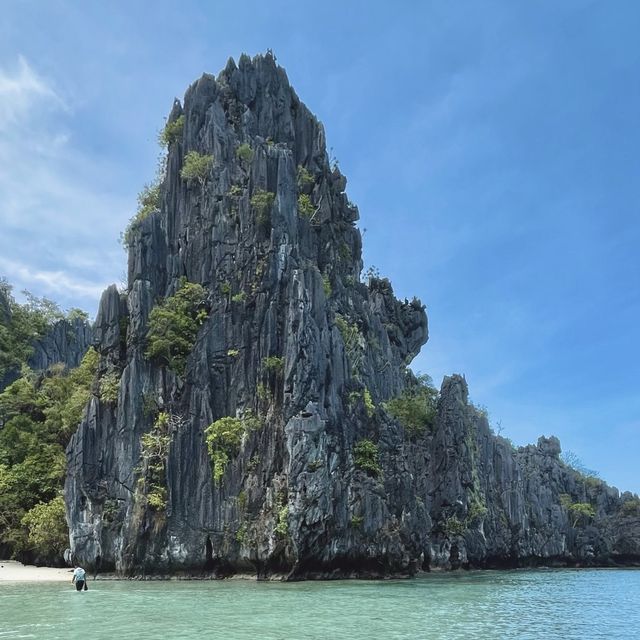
{"x": 52, "y": 282}
{"x": 60, "y": 220}
{"x": 21, "y": 89}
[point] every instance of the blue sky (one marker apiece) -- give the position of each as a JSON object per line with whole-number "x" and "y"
{"x": 492, "y": 148}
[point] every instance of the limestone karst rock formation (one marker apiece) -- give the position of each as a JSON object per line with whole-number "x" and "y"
{"x": 65, "y": 342}
{"x": 282, "y": 283}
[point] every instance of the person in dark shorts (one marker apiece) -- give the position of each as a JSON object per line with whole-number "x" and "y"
{"x": 80, "y": 579}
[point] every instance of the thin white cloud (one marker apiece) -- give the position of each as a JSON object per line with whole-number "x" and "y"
{"x": 21, "y": 88}
{"x": 59, "y": 212}
{"x": 53, "y": 282}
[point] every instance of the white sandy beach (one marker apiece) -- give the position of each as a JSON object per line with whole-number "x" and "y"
{"x": 12, "y": 571}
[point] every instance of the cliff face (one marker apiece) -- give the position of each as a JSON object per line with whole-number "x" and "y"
{"x": 65, "y": 341}
{"x": 283, "y": 283}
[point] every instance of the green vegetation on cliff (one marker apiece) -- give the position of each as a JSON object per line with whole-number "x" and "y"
{"x": 579, "y": 512}
{"x": 148, "y": 203}
{"x": 305, "y": 206}
{"x": 196, "y": 167}
{"x": 174, "y": 325}
{"x": 245, "y": 153}
{"x": 152, "y": 483}
{"x": 172, "y": 132}
{"x": 224, "y": 437}
{"x": 38, "y": 414}
{"x": 21, "y": 325}
{"x": 416, "y": 407}
{"x": 273, "y": 364}
{"x": 367, "y": 457}
{"x": 304, "y": 179}
{"x": 262, "y": 202}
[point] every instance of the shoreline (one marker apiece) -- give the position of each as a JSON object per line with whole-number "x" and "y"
{"x": 14, "y": 571}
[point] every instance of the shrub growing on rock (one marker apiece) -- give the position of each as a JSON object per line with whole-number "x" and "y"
{"x": 454, "y": 527}
{"x": 109, "y": 387}
{"x": 224, "y": 437}
{"x": 305, "y": 206}
{"x": 155, "y": 451}
{"x": 366, "y": 457}
{"x": 262, "y": 203}
{"x": 305, "y": 179}
{"x": 578, "y": 511}
{"x": 174, "y": 325}
{"x": 273, "y": 364}
{"x": 148, "y": 203}
{"x": 196, "y": 166}
{"x": 581, "y": 511}
{"x": 245, "y": 153}
{"x": 364, "y": 396}
{"x": 369, "y": 407}
{"x": 631, "y": 507}
{"x": 326, "y": 286}
{"x": 416, "y": 407}
{"x": 353, "y": 341}
{"x": 282, "y": 525}
{"x": 172, "y": 132}
{"x": 235, "y": 191}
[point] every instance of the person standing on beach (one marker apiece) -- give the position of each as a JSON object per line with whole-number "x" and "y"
{"x": 79, "y": 577}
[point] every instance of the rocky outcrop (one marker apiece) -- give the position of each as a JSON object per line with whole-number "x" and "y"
{"x": 293, "y": 336}
{"x": 65, "y": 342}
{"x": 513, "y": 502}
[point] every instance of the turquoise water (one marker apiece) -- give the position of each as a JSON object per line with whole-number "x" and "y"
{"x": 516, "y": 604}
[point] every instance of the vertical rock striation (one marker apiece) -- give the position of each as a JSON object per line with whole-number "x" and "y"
{"x": 66, "y": 342}
{"x": 294, "y": 338}
{"x": 63, "y": 342}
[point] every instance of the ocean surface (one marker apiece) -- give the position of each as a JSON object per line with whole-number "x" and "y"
{"x": 535, "y": 604}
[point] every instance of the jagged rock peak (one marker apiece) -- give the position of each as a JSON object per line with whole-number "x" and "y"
{"x": 252, "y": 107}
{"x": 329, "y": 480}
{"x": 257, "y": 100}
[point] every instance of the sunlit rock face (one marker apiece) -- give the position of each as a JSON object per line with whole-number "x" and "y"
{"x": 283, "y": 282}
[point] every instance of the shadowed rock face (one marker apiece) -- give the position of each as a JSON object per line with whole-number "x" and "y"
{"x": 292, "y": 500}
{"x": 65, "y": 342}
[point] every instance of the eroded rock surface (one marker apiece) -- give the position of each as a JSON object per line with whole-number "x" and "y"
{"x": 285, "y": 283}
{"x": 66, "y": 342}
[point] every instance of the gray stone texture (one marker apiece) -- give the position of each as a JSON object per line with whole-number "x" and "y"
{"x": 66, "y": 342}
{"x": 293, "y": 502}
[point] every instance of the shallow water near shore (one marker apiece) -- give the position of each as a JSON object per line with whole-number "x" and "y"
{"x": 540, "y": 604}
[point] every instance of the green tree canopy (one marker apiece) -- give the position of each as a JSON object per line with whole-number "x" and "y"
{"x": 38, "y": 414}
{"x": 47, "y": 527}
